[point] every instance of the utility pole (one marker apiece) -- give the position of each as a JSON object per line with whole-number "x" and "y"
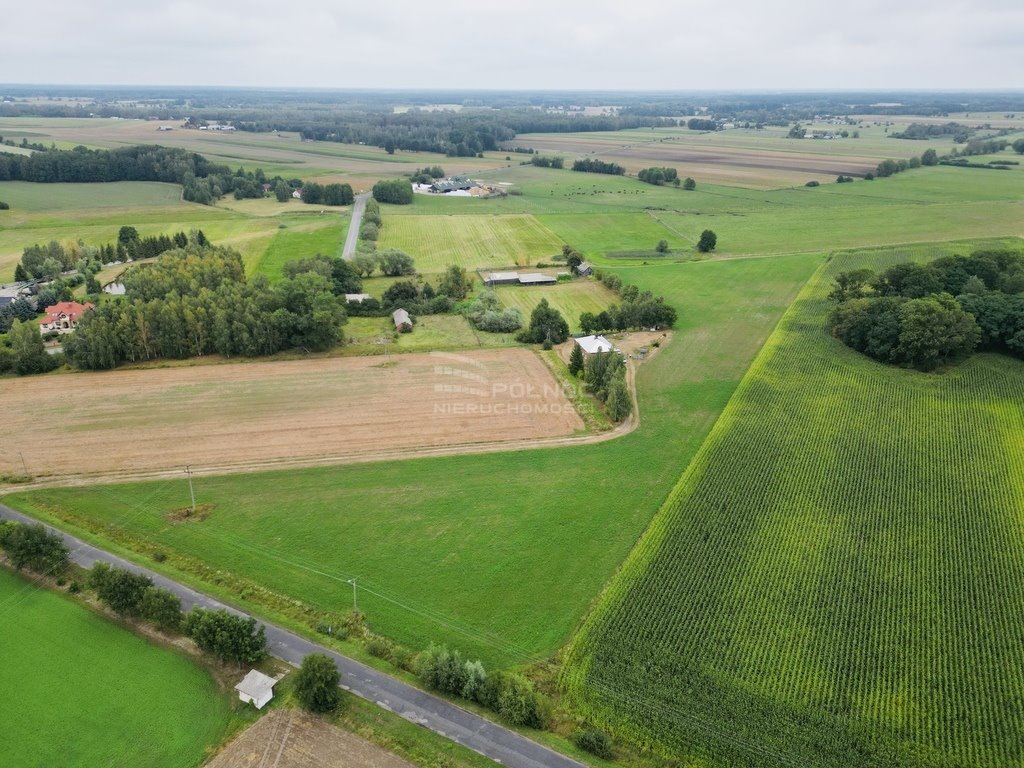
{"x": 24, "y": 466}
{"x": 355, "y": 605}
{"x": 191, "y": 490}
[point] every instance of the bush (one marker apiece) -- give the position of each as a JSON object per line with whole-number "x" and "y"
{"x": 227, "y": 636}
{"x": 34, "y": 547}
{"x": 380, "y": 648}
{"x": 519, "y": 703}
{"x": 369, "y": 231}
{"x": 812, "y": 184}
{"x": 122, "y": 591}
{"x": 4, "y": 206}
{"x": 162, "y": 608}
{"x": 594, "y": 741}
{"x": 316, "y": 684}
{"x": 689, "y": 184}
{"x": 442, "y": 670}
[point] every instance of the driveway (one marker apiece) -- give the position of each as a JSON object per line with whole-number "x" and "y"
{"x": 358, "y": 208}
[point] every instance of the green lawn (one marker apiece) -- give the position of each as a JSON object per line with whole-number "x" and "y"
{"x": 81, "y": 691}
{"x": 838, "y": 578}
{"x": 500, "y": 554}
{"x": 571, "y": 299}
{"x": 469, "y": 241}
{"x": 299, "y": 240}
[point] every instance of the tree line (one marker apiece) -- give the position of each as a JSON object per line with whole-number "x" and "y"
{"x": 929, "y": 315}
{"x": 639, "y": 309}
{"x": 589, "y": 165}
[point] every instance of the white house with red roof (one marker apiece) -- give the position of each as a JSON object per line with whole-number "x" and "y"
{"x": 63, "y": 316}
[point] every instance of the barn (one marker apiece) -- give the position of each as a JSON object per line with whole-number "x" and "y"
{"x": 403, "y": 323}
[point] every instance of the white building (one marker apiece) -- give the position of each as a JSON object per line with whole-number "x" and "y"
{"x": 256, "y": 688}
{"x": 591, "y": 345}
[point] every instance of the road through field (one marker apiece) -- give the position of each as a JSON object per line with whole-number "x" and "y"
{"x": 353, "y": 228}
{"x": 452, "y": 722}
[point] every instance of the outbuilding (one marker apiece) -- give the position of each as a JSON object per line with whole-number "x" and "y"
{"x": 256, "y": 688}
{"x": 403, "y": 323}
{"x": 502, "y": 278}
{"x": 536, "y": 278}
{"x": 357, "y": 298}
{"x": 584, "y": 269}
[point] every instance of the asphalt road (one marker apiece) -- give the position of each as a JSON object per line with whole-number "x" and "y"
{"x": 353, "y": 228}
{"x": 472, "y": 731}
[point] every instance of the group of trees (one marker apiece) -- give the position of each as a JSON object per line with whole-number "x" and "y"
{"x": 33, "y": 547}
{"x": 486, "y": 313}
{"x": 639, "y": 309}
{"x": 605, "y": 376}
{"x": 196, "y": 301}
{"x": 24, "y": 353}
{"x": 543, "y": 161}
{"x": 137, "y": 163}
{"x": 702, "y": 124}
{"x": 427, "y": 175}
{"x": 395, "y": 191}
{"x": 593, "y": 165}
{"x": 907, "y": 315}
{"x": 326, "y": 194}
{"x": 659, "y": 176}
{"x": 134, "y": 596}
{"x": 510, "y": 695}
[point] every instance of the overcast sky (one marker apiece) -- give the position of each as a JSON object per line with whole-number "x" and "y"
{"x": 525, "y": 44}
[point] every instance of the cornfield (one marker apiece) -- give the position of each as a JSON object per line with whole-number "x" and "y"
{"x": 838, "y": 577}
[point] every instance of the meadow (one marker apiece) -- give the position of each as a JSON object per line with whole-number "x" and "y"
{"x": 441, "y": 549}
{"x": 571, "y": 299}
{"x": 470, "y": 241}
{"x": 837, "y": 578}
{"x": 152, "y": 707}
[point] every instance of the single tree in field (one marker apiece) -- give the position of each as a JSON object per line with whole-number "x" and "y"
{"x": 689, "y": 184}
{"x": 708, "y": 241}
{"x": 662, "y": 246}
{"x": 546, "y": 326}
{"x": 316, "y": 684}
{"x": 1018, "y": 146}
{"x": 576, "y": 360}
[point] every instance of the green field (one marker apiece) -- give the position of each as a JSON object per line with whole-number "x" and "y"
{"x": 469, "y": 241}
{"x": 444, "y": 551}
{"x": 571, "y": 299}
{"x": 81, "y": 691}
{"x": 301, "y": 240}
{"x": 838, "y": 578}
{"x": 26, "y": 196}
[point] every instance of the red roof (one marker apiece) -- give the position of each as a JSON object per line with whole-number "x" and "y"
{"x": 72, "y": 309}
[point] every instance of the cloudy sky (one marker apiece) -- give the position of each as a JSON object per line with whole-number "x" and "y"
{"x": 528, "y": 44}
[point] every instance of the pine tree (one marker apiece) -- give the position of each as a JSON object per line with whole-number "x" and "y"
{"x": 20, "y": 275}
{"x": 576, "y": 360}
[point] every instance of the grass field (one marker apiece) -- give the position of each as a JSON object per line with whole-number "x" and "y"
{"x": 470, "y": 241}
{"x": 301, "y": 240}
{"x": 81, "y": 691}
{"x": 455, "y": 557}
{"x": 571, "y": 299}
{"x": 837, "y": 579}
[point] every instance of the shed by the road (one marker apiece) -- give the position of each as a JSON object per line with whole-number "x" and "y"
{"x": 256, "y": 688}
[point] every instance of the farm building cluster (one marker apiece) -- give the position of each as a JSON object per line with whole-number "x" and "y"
{"x": 459, "y": 186}
{"x": 492, "y": 279}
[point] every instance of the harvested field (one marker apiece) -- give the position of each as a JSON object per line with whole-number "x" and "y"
{"x": 290, "y": 738}
{"x": 255, "y": 413}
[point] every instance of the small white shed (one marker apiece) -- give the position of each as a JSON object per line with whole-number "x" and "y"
{"x": 256, "y": 689}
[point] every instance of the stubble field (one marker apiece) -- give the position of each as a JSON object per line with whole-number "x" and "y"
{"x": 249, "y": 413}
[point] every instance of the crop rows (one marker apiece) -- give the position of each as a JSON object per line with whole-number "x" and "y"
{"x": 838, "y": 579}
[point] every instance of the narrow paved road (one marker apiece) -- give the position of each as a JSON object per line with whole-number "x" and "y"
{"x": 353, "y": 226}
{"x": 448, "y": 720}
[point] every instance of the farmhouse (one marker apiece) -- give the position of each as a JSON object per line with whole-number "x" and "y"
{"x": 403, "y": 323}
{"x": 591, "y": 345}
{"x": 256, "y": 688}
{"x": 63, "y": 317}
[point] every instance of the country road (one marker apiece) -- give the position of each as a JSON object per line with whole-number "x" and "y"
{"x": 494, "y": 741}
{"x": 353, "y": 227}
